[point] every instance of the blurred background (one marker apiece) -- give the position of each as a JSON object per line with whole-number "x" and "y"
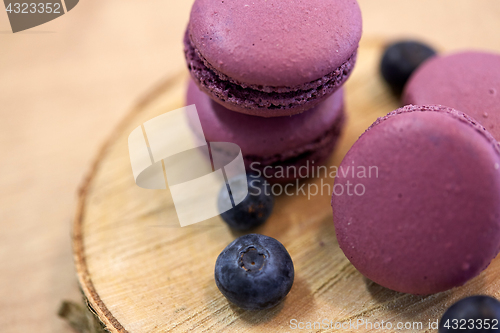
{"x": 66, "y": 84}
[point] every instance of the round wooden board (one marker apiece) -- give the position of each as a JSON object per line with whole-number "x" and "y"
{"x": 142, "y": 272}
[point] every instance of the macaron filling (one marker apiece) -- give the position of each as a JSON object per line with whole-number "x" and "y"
{"x": 315, "y": 152}
{"x": 310, "y": 154}
{"x": 261, "y": 97}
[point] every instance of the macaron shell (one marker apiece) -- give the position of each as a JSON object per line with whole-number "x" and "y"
{"x": 275, "y": 43}
{"x": 466, "y": 81}
{"x": 304, "y": 101}
{"x": 430, "y": 221}
{"x": 265, "y": 137}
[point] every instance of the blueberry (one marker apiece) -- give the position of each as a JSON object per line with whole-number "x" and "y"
{"x": 254, "y": 272}
{"x": 472, "y": 314}
{"x": 401, "y": 59}
{"x": 254, "y": 209}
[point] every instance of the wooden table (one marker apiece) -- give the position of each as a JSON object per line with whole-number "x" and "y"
{"x": 65, "y": 85}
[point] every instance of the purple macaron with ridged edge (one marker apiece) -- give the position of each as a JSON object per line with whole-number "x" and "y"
{"x": 272, "y": 58}
{"x": 420, "y": 208}
{"x": 275, "y": 147}
{"x": 467, "y": 81}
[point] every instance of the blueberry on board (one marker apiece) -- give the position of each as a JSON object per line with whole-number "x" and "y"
{"x": 254, "y": 209}
{"x": 254, "y": 272}
{"x": 401, "y": 59}
{"x": 472, "y": 315}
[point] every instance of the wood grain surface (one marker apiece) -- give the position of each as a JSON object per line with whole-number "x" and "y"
{"x": 142, "y": 272}
{"x": 66, "y": 84}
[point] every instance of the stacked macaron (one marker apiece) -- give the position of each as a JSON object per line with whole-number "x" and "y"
{"x": 266, "y": 75}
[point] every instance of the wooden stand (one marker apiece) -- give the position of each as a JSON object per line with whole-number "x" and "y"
{"x": 142, "y": 272}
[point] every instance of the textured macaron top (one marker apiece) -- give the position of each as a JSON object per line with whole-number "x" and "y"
{"x": 426, "y": 216}
{"x": 275, "y": 43}
{"x": 265, "y": 136}
{"x": 467, "y": 81}
{"x": 458, "y": 115}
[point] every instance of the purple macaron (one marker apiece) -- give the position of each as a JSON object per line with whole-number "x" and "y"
{"x": 416, "y": 204}
{"x": 272, "y": 58}
{"x": 276, "y": 147}
{"x": 466, "y": 81}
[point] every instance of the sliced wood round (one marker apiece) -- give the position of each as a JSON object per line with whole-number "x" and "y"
{"x": 141, "y": 272}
